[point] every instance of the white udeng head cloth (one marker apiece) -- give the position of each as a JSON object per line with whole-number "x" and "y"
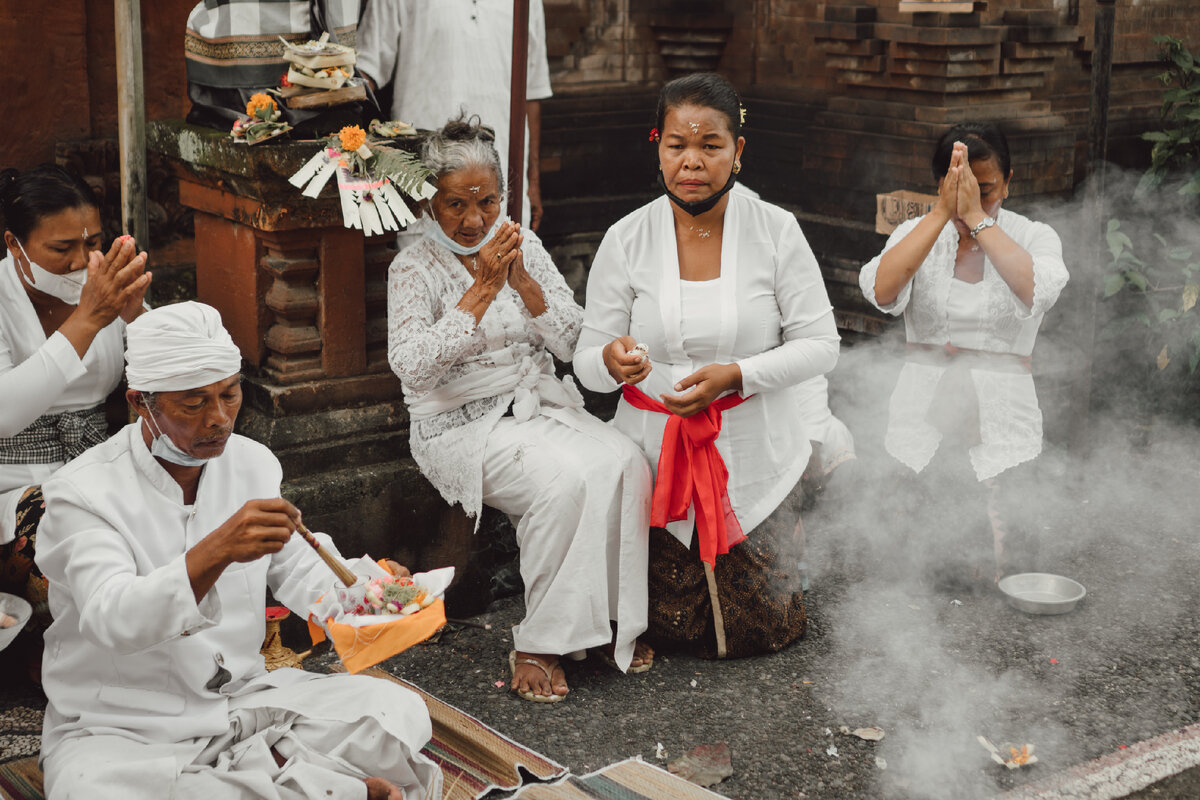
{"x": 178, "y": 347}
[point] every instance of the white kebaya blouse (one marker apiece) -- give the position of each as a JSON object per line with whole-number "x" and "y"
{"x": 42, "y": 374}
{"x": 773, "y": 319}
{"x": 938, "y": 310}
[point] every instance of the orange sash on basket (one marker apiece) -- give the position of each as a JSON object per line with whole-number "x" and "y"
{"x": 691, "y": 470}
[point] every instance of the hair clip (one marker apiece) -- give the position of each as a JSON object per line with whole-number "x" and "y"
{"x": 741, "y": 114}
{"x": 654, "y": 134}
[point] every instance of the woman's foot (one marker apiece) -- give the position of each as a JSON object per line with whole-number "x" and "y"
{"x": 643, "y": 656}
{"x": 537, "y": 677}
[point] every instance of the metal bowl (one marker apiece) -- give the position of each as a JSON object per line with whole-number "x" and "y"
{"x": 17, "y": 607}
{"x": 1041, "y": 592}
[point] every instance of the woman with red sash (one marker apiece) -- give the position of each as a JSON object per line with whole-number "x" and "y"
{"x": 973, "y": 281}
{"x": 725, "y": 295}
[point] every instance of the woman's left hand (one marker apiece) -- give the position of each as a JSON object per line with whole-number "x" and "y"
{"x": 706, "y": 384}
{"x": 134, "y": 307}
{"x": 970, "y": 206}
{"x": 517, "y": 276}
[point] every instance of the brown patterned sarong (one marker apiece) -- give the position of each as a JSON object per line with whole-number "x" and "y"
{"x": 758, "y": 587}
{"x": 19, "y": 574}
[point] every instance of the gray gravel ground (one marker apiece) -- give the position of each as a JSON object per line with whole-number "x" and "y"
{"x": 899, "y": 652}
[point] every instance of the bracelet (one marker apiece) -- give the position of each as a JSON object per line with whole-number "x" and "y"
{"x": 986, "y": 222}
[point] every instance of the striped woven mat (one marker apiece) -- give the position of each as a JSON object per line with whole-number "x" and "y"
{"x": 474, "y": 758}
{"x": 632, "y": 779}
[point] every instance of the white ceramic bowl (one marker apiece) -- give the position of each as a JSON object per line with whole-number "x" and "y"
{"x": 1041, "y": 592}
{"x": 17, "y": 607}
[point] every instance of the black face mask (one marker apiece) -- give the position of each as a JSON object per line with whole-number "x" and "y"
{"x": 699, "y": 206}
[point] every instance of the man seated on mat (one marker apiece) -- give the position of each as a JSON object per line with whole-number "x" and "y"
{"x": 159, "y": 545}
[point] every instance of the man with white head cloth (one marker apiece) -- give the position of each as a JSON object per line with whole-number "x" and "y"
{"x": 159, "y": 545}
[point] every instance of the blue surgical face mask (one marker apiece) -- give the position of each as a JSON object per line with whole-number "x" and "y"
{"x": 162, "y": 447}
{"x": 433, "y": 231}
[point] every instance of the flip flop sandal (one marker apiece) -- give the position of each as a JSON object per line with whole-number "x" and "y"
{"x": 530, "y": 695}
{"x": 607, "y": 659}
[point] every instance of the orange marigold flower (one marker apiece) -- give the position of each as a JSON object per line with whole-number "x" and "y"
{"x": 260, "y": 101}
{"x": 353, "y": 137}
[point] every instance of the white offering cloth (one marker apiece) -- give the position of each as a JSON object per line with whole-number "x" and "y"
{"x": 582, "y": 492}
{"x": 432, "y": 343}
{"x": 131, "y": 653}
{"x": 44, "y": 375}
{"x": 987, "y": 317}
{"x": 775, "y": 322}
{"x": 451, "y": 56}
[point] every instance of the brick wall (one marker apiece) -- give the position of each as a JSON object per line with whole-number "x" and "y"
{"x": 66, "y": 86}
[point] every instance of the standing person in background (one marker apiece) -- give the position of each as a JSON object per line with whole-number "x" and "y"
{"x": 451, "y": 57}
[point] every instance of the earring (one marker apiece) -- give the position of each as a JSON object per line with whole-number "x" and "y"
{"x": 737, "y": 167}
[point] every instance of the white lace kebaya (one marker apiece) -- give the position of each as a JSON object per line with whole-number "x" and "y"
{"x": 941, "y": 310}
{"x": 581, "y": 490}
{"x": 432, "y": 343}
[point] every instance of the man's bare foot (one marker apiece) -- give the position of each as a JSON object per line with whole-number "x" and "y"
{"x": 643, "y": 655}
{"x": 380, "y": 789}
{"x": 544, "y": 678}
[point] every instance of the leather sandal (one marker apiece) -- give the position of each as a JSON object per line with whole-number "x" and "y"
{"x": 547, "y": 669}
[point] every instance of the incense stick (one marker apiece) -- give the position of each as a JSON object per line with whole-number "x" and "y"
{"x": 341, "y": 570}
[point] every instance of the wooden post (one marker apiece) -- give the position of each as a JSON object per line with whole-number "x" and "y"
{"x": 1095, "y": 210}
{"x": 516, "y": 110}
{"x": 131, "y": 120}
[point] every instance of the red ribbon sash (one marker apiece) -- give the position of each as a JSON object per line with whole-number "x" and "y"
{"x": 691, "y": 470}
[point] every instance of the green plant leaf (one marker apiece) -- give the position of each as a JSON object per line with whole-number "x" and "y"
{"x": 1167, "y": 314}
{"x": 1136, "y": 279}
{"x": 1113, "y": 283}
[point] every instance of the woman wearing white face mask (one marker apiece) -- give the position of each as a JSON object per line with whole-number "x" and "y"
{"x": 63, "y": 310}
{"x": 475, "y": 310}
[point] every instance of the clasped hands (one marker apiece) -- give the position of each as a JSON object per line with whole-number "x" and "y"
{"x": 501, "y": 261}
{"x": 696, "y": 391}
{"x": 117, "y": 283}
{"x": 958, "y": 192}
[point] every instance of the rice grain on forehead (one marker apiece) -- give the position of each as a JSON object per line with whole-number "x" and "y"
{"x": 462, "y": 144}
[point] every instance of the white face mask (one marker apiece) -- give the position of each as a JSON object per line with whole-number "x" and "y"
{"x": 68, "y": 287}
{"x": 163, "y": 447}
{"x": 433, "y": 230}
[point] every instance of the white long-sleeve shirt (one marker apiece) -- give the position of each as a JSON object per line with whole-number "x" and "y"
{"x": 44, "y": 375}
{"x": 938, "y": 310}
{"x": 130, "y": 650}
{"x": 775, "y": 322}
{"x": 451, "y": 56}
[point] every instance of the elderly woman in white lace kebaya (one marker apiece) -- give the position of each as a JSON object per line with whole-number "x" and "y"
{"x": 973, "y": 282}
{"x": 475, "y": 309}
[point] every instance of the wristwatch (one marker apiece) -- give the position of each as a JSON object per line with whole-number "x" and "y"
{"x": 986, "y": 222}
